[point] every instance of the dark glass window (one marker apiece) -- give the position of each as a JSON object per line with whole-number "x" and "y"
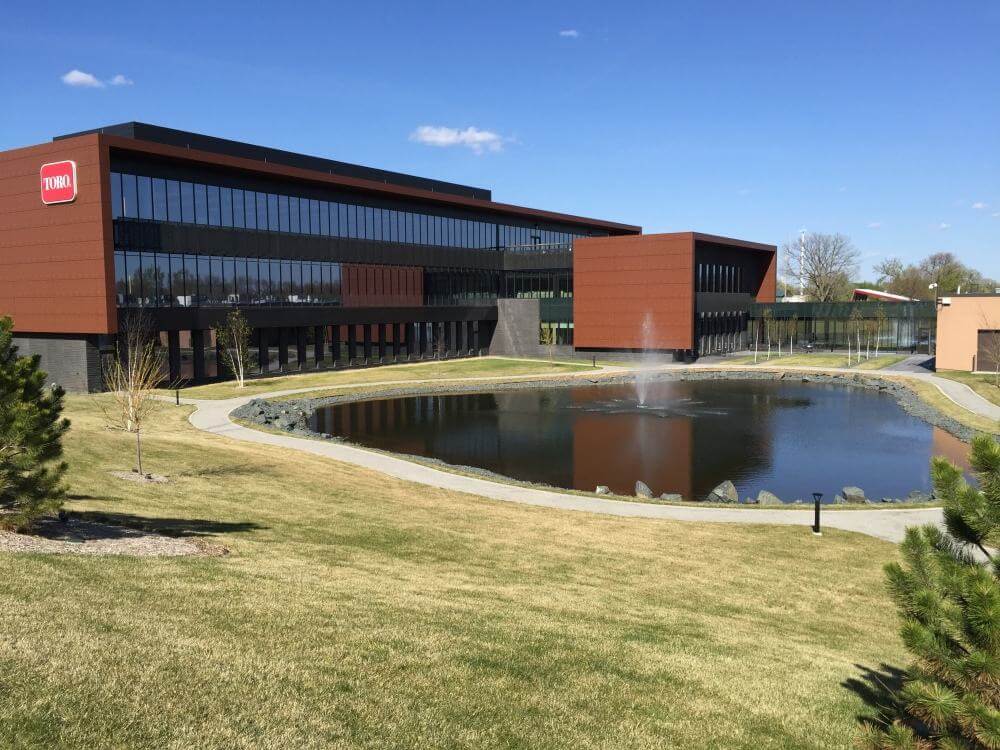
{"x": 304, "y": 215}
{"x": 261, "y": 211}
{"x": 173, "y": 200}
{"x": 342, "y": 225}
{"x": 229, "y": 280}
{"x": 272, "y": 213}
{"x": 293, "y": 214}
{"x": 164, "y": 297}
{"x": 159, "y": 199}
{"x": 250, "y": 208}
{"x": 187, "y": 202}
{"x": 352, "y": 227}
{"x": 200, "y": 204}
{"x": 226, "y": 206}
{"x": 282, "y": 213}
{"x": 324, "y": 218}
{"x": 239, "y": 217}
{"x": 121, "y": 278}
{"x": 313, "y": 217}
{"x": 129, "y": 199}
{"x": 191, "y": 288}
{"x": 214, "y": 208}
{"x": 205, "y": 291}
{"x": 145, "y": 198}
{"x": 116, "y": 200}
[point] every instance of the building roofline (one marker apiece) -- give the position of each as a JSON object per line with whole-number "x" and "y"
{"x": 359, "y": 184}
{"x": 142, "y": 131}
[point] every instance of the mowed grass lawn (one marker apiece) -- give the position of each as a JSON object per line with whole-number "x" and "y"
{"x": 479, "y": 367}
{"x": 359, "y": 611}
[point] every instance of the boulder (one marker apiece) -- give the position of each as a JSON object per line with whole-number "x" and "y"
{"x": 602, "y": 489}
{"x": 724, "y": 493}
{"x": 918, "y": 497}
{"x": 642, "y": 490}
{"x": 853, "y": 495}
{"x": 768, "y": 498}
{"x": 671, "y": 497}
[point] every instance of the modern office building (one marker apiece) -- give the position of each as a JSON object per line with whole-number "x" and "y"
{"x": 333, "y": 264}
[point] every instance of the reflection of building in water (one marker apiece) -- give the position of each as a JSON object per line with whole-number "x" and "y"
{"x": 494, "y": 431}
{"x": 947, "y": 445}
{"x": 661, "y": 449}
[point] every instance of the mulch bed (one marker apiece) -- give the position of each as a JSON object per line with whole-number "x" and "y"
{"x": 78, "y": 537}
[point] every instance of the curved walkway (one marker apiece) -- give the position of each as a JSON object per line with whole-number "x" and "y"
{"x": 213, "y": 416}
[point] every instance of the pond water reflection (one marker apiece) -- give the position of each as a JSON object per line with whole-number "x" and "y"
{"x": 789, "y": 438}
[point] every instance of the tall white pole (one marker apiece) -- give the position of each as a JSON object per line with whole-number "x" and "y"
{"x": 802, "y": 252}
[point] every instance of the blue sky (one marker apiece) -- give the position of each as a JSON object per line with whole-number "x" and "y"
{"x": 878, "y": 120}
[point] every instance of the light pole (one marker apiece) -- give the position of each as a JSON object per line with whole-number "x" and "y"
{"x": 931, "y": 343}
{"x": 802, "y": 254}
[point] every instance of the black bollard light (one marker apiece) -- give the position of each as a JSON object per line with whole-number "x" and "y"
{"x": 177, "y": 396}
{"x": 817, "y": 496}
{"x": 595, "y": 361}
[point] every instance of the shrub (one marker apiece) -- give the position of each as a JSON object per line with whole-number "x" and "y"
{"x": 31, "y": 431}
{"x": 949, "y": 600}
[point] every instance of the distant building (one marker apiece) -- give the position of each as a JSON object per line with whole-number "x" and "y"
{"x": 874, "y": 295}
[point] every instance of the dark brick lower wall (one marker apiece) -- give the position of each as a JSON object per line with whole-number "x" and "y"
{"x": 74, "y": 362}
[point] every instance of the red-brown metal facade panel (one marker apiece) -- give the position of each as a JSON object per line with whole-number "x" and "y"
{"x": 56, "y": 261}
{"x": 634, "y": 292}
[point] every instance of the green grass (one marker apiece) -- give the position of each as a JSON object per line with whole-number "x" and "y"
{"x": 821, "y": 360}
{"x": 356, "y": 610}
{"x": 982, "y": 383}
{"x": 460, "y": 368}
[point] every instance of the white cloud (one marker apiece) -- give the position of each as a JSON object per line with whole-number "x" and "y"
{"x": 473, "y": 138}
{"x": 944, "y": 225}
{"x": 842, "y": 189}
{"x": 743, "y": 191}
{"x": 874, "y": 224}
{"x": 80, "y": 79}
{"x": 569, "y": 33}
{"x": 996, "y": 214}
{"x": 120, "y": 80}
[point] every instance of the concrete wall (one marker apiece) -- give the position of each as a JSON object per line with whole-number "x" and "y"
{"x": 74, "y": 362}
{"x": 518, "y": 323}
{"x": 958, "y": 326}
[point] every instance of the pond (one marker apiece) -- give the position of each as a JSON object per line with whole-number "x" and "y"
{"x": 685, "y": 437}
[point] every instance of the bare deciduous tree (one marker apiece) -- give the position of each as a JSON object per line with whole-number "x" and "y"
{"x": 234, "y": 334}
{"x": 547, "y": 338}
{"x": 132, "y": 374}
{"x": 828, "y": 262}
{"x": 881, "y": 323}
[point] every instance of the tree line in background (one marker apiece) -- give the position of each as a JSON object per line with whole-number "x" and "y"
{"x": 825, "y": 267}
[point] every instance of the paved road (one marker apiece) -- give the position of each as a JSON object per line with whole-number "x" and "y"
{"x": 888, "y": 524}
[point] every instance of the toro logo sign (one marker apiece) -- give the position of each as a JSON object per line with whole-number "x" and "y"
{"x": 58, "y": 182}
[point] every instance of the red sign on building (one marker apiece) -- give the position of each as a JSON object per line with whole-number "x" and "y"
{"x": 58, "y": 182}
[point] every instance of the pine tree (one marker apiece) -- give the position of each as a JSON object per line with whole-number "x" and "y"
{"x": 948, "y": 594}
{"x": 31, "y": 431}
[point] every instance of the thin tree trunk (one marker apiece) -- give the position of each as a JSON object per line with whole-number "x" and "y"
{"x": 138, "y": 452}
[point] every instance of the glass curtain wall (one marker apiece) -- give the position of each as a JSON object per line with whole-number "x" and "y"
{"x": 157, "y": 199}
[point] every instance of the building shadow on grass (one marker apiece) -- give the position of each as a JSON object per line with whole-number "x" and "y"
{"x": 177, "y": 527}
